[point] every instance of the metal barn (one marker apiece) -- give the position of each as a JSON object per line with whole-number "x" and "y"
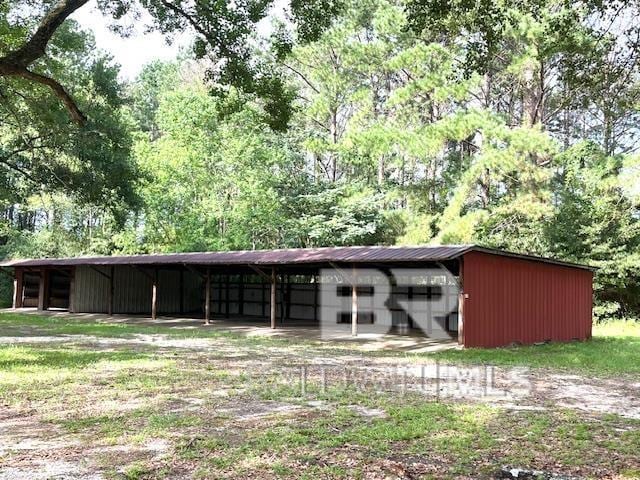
{"x": 484, "y": 297}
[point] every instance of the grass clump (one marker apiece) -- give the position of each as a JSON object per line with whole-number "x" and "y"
{"x": 614, "y": 349}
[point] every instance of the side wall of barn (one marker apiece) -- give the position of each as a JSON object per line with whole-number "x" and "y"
{"x": 511, "y": 300}
{"x": 132, "y": 290}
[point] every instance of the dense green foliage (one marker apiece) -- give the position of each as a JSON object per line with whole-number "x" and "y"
{"x": 41, "y": 151}
{"x": 402, "y": 128}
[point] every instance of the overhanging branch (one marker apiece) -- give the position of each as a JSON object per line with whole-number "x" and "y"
{"x": 16, "y": 63}
{"x": 75, "y": 113}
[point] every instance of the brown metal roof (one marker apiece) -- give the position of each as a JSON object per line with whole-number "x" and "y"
{"x": 282, "y": 257}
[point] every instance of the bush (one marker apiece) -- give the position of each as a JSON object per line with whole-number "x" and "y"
{"x": 6, "y": 291}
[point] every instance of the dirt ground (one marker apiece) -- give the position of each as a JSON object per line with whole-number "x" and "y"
{"x": 56, "y": 429}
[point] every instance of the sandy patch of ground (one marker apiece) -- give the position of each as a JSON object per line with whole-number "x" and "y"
{"x": 32, "y": 448}
{"x": 517, "y": 387}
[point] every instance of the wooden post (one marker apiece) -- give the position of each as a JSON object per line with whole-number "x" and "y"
{"x": 409, "y": 315}
{"x": 354, "y": 303}
{"x": 273, "y": 298}
{"x": 18, "y": 288}
{"x": 154, "y": 295}
{"x": 263, "y": 297}
{"x": 207, "y": 298}
{"x": 282, "y": 299}
{"x": 14, "y": 304}
{"x": 315, "y": 297}
{"x": 461, "y": 299}
{"x": 111, "y": 290}
{"x": 72, "y": 290}
{"x": 43, "y": 291}
{"x": 287, "y": 299}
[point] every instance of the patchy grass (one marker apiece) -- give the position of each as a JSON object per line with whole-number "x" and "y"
{"x": 30, "y": 374}
{"x": 162, "y": 412}
{"x": 614, "y": 349}
{"x": 16, "y": 358}
{"x": 23, "y": 323}
{"x": 427, "y": 438}
{"x": 138, "y": 471}
{"x": 617, "y": 328}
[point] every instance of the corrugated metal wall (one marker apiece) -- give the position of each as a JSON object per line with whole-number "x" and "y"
{"x": 132, "y": 291}
{"x": 91, "y": 291}
{"x": 512, "y": 300}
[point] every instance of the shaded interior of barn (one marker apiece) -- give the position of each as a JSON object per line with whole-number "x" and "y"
{"x": 245, "y": 292}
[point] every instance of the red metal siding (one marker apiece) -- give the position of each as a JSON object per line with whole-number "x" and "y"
{"x": 510, "y": 300}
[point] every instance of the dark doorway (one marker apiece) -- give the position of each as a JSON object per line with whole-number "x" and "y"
{"x": 59, "y": 289}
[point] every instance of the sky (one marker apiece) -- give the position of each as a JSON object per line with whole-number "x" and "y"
{"x": 133, "y": 52}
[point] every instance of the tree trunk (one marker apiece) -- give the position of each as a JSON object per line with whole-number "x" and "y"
{"x": 333, "y": 132}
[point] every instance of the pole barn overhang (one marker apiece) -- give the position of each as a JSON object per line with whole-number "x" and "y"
{"x": 504, "y": 297}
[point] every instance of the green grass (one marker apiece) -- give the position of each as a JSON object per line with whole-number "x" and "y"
{"x": 30, "y": 373}
{"x": 62, "y": 325}
{"x": 469, "y": 439}
{"x": 614, "y": 349}
{"x": 16, "y": 358}
{"x": 138, "y": 471}
{"x": 121, "y": 396}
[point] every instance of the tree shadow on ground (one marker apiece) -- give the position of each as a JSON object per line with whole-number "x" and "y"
{"x": 18, "y": 357}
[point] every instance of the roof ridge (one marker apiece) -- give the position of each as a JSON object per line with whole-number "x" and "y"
{"x": 309, "y": 255}
{"x": 259, "y": 250}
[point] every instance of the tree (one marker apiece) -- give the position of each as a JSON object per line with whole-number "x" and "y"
{"x": 64, "y": 190}
{"x": 596, "y": 221}
{"x": 40, "y": 152}
{"x": 223, "y": 32}
{"x": 20, "y": 53}
{"x": 383, "y": 107}
{"x": 570, "y": 66}
{"x": 321, "y": 215}
{"x": 221, "y": 182}
{"x": 213, "y": 180}
{"x": 155, "y": 79}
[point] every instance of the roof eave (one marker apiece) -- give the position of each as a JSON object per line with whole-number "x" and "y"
{"x": 523, "y": 256}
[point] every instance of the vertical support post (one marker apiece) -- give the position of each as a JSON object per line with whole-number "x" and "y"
{"x": 14, "y": 303}
{"x": 316, "y": 292}
{"x": 282, "y": 298}
{"x": 410, "y": 313}
{"x": 111, "y": 290}
{"x": 154, "y": 295}
{"x": 273, "y": 298}
{"x": 354, "y": 303}
{"x": 43, "y": 291}
{"x": 72, "y": 290}
{"x": 18, "y": 288}
{"x": 461, "y": 298}
{"x": 263, "y": 299}
{"x": 207, "y": 298}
